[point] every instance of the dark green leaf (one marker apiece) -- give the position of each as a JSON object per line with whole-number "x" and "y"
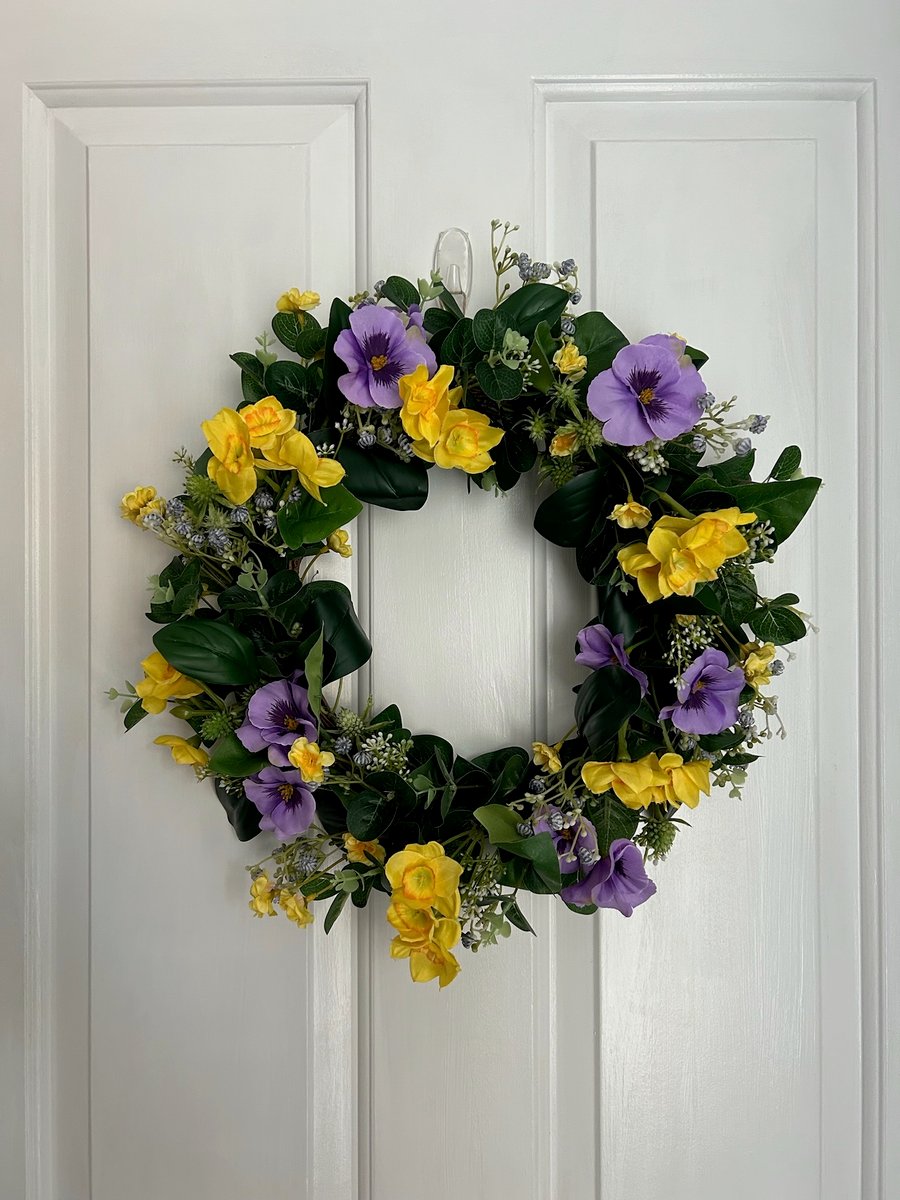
{"x": 779, "y": 625}
{"x": 459, "y": 348}
{"x": 598, "y": 339}
{"x": 313, "y": 668}
{"x": 567, "y": 517}
{"x": 784, "y": 503}
{"x": 311, "y": 339}
{"x": 501, "y": 824}
{"x": 488, "y": 328}
{"x": 400, "y": 291}
{"x": 306, "y": 520}
{"x": 249, "y": 364}
{"x": 606, "y": 699}
{"x": 438, "y": 320}
{"x": 505, "y": 768}
{"x": 733, "y": 470}
{"x": 286, "y": 328}
{"x": 241, "y": 811}
{"x": 542, "y": 349}
{"x": 334, "y": 367}
{"x": 733, "y": 596}
{"x": 525, "y": 309}
{"x": 376, "y": 476}
{"x": 281, "y": 587}
{"x": 449, "y": 302}
{"x": 230, "y": 757}
{"x": 211, "y": 651}
{"x": 722, "y": 741}
{"x": 612, "y": 820}
{"x": 516, "y": 917}
{"x": 697, "y": 357}
{"x": 498, "y": 382}
{"x": 335, "y": 909}
{"x": 329, "y": 604}
{"x": 289, "y": 382}
{"x": 136, "y": 713}
{"x": 787, "y": 463}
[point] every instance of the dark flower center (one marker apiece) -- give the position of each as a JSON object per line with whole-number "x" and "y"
{"x": 379, "y": 362}
{"x": 291, "y": 722}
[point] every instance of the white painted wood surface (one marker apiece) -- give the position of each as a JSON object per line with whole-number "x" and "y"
{"x": 729, "y": 1040}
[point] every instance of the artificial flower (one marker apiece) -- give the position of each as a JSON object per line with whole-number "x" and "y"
{"x": 708, "y": 694}
{"x": 424, "y": 877}
{"x": 379, "y": 350}
{"x": 465, "y": 439}
{"x": 756, "y": 661}
{"x": 431, "y": 959}
{"x": 684, "y": 781}
{"x": 359, "y": 851}
{"x": 546, "y": 757}
{"x": 295, "y": 907}
{"x": 675, "y": 344}
{"x": 277, "y": 714}
{"x": 231, "y": 467}
{"x": 573, "y": 841}
{"x": 293, "y": 300}
{"x": 261, "y": 898}
{"x": 339, "y": 542}
{"x": 563, "y": 444}
{"x": 183, "y": 752}
{"x": 309, "y": 760}
{"x": 286, "y": 807}
{"x": 600, "y": 647}
{"x": 426, "y": 402}
{"x": 267, "y": 420}
{"x": 162, "y": 682}
{"x": 295, "y": 452}
{"x": 137, "y": 504}
{"x": 631, "y": 515}
{"x": 684, "y": 551}
{"x": 636, "y": 784}
{"x": 569, "y": 360}
{"x": 645, "y": 394}
{"x": 413, "y": 925}
{"x": 617, "y": 881}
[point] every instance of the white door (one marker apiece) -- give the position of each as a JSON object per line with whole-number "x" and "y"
{"x": 181, "y": 164}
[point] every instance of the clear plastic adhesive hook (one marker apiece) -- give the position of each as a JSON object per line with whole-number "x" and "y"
{"x": 453, "y": 258}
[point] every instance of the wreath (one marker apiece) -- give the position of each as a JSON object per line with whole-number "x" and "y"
{"x": 651, "y": 486}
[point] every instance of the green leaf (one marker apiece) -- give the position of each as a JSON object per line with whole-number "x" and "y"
{"x": 567, "y": 517}
{"x": 449, "y": 302}
{"x": 230, "y": 757}
{"x": 598, "y": 339}
{"x": 400, "y": 291}
{"x": 286, "y": 328}
{"x": 306, "y": 520}
{"x": 612, "y": 820}
{"x": 242, "y": 813}
{"x": 282, "y": 587}
{"x": 606, "y": 699}
{"x": 313, "y": 669}
{"x": 438, "y": 320}
{"x": 771, "y": 623}
{"x": 506, "y": 769}
{"x": 787, "y": 463}
{"x": 516, "y": 917}
{"x": 376, "y": 476}
{"x": 249, "y": 364}
{"x": 311, "y": 339}
{"x": 498, "y": 382}
{"x": 784, "y": 503}
{"x": 459, "y": 348}
{"x": 738, "y": 469}
{"x": 488, "y": 328}
{"x": 525, "y": 309}
{"x": 697, "y": 357}
{"x": 733, "y": 596}
{"x": 371, "y": 812}
{"x": 289, "y": 382}
{"x": 329, "y": 605}
{"x": 501, "y": 824}
{"x": 334, "y": 367}
{"x": 210, "y": 651}
{"x": 542, "y": 349}
{"x": 513, "y": 455}
{"x": 335, "y": 909}
{"x": 135, "y": 713}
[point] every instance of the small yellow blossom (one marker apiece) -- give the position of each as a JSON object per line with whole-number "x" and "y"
{"x": 182, "y": 751}
{"x": 569, "y": 360}
{"x": 339, "y": 542}
{"x": 431, "y": 958}
{"x": 413, "y": 925}
{"x": 757, "y": 663}
{"x": 424, "y": 877}
{"x": 684, "y": 551}
{"x": 360, "y": 852}
{"x": 309, "y": 760}
{"x": 162, "y": 682}
{"x": 683, "y": 781}
{"x": 267, "y": 420}
{"x": 631, "y": 515}
{"x": 426, "y": 402}
{"x": 293, "y": 300}
{"x": 564, "y": 444}
{"x": 636, "y": 784}
{"x": 546, "y": 757}
{"x": 231, "y": 467}
{"x": 295, "y": 907}
{"x": 466, "y": 438}
{"x": 137, "y": 504}
{"x": 295, "y": 452}
{"x": 261, "y": 898}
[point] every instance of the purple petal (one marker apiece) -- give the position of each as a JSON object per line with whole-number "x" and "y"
{"x": 354, "y": 386}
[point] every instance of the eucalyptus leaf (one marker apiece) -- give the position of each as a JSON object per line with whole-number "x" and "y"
{"x": 498, "y": 381}
{"x": 787, "y": 463}
{"x": 771, "y": 623}
{"x": 400, "y": 291}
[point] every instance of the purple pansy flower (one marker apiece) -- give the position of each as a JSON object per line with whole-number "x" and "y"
{"x": 598, "y": 647}
{"x": 707, "y": 695}
{"x": 378, "y": 349}
{"x": 286, "y": 804}
{"x": 678, "y": 346}
{"x": 616, "y": 881}
{"x": 278, "y": 714}
{"x": 569, "y": 842}
{"x": 646, "y": 393}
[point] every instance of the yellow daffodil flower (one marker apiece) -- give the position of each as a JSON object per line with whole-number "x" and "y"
{"x": 465, "y": 439}
{"x": 261, "y": 898}
{"x": 267, "y": 420}
{"x": 424, "y": 877}
{"x": 339, "y": 542}
{"x": 546, "y": 757}
{"x": 636, "y": 784}
{"x": 684, "y": 781}
{"x": 569, "y": 360}
{"x": 431, "y": 959}
{"x": 413, "y": 925}
{"x": 631, "y": 515}
{"x": 309, "y": 760}
{"x": 137, "y": 504}
{"x": 295, "y": 452}
{"x": 357, "y": 851}
{"x": 564, "y": 444}
{"x": 684, "y": 551}
{"x": 295, "y": 907}
{"x": 162, "y": 682}
{"x": 757, "y": 663}
{"x": 231, "y": 467}
{"x": 293, "y": 300}
{"x": 426, "y": 402}
{"x": 182, "y": 751}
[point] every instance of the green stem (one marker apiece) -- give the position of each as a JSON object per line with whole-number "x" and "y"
{"x": 622, "y": 749}
{"x": 673, "y": 504}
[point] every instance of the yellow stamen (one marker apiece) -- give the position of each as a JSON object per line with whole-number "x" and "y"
{"x": 378, "y": 361}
